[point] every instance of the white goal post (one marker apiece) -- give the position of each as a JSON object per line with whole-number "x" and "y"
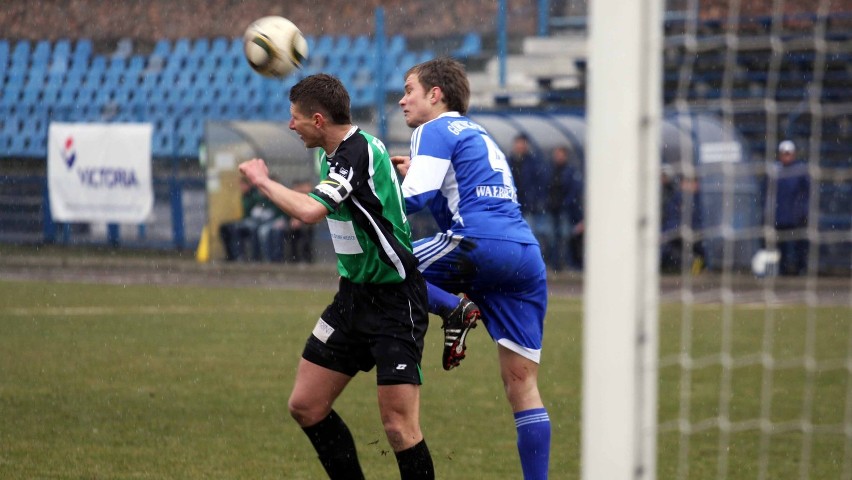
{"x": 624, "y": 110}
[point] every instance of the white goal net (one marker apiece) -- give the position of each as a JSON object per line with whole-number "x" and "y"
{"x": 749, "y": 371}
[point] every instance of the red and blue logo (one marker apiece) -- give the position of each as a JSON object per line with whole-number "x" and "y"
{"x": 69, "y": 153}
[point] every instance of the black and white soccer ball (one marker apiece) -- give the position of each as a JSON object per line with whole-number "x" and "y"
{"x": 274, "y": 46}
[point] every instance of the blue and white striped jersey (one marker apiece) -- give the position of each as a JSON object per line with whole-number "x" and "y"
{"x": 459, "y": 172}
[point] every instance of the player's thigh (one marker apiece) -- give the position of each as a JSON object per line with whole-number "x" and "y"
{"x": 399, "y": 406}
{"x": 511, "y": 291}
{"x": 446, "y": 261}
{"x": 399, "y": 401}
{"x": 397, "y": 317}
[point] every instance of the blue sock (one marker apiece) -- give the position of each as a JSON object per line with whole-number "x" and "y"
{"x": 533, "y": 442}
{"x": 441, "y": 302}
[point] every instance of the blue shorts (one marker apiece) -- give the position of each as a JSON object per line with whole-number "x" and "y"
{"x": 507, "y": 280}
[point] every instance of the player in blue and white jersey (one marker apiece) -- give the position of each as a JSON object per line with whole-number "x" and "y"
{"x": 486, "y": 251}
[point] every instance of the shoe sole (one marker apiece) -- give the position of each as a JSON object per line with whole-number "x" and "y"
{"x": 457, "y": 348}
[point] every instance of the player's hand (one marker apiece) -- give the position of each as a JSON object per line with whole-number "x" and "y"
{"x": 402, "y": 163}
{"x": 255, "y": 171}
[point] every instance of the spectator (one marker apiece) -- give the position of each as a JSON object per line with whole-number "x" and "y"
{"x": 563, "y": 201}
{"x": 249, "y": 237}
{"x": 299, "y": 236}
{"x": 792, "y": 195}
{"x": 679, "y": 195}
{"x": 527, "y": 172}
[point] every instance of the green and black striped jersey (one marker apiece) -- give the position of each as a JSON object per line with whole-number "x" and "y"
{"x": 369, "y": 230}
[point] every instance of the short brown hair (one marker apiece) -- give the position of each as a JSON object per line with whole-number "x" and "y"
{"x": 324, "y": 94}
{"x": 448, "y": 75}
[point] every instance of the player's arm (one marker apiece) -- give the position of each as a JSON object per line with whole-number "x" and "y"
{"x": 295, "y": 204}
{"x": 423, "y": 181}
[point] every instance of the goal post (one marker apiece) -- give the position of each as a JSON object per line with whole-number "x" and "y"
{"x": 620, "y": 352}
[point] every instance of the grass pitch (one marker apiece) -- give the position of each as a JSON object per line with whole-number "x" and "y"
{"x": 154, "y": 382}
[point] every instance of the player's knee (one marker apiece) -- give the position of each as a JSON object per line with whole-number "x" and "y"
{"x": 401, "y": 434}
{"x": 306, "y": 413}
{"x": 520, "y": 382}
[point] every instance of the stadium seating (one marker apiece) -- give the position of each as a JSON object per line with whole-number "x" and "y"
{"x": 177, "y": 86}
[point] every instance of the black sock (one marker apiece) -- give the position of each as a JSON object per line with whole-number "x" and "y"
{"x": 415, "y": 463}
{"x": 336, "y": 448}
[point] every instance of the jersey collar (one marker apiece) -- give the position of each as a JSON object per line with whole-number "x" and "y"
{"x": 351, "y": 132}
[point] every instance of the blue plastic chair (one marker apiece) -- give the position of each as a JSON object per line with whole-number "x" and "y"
{"x": 471, "y": 45}
{"x": 10, "y": 96}
{"x": 21, "y": 52}
{"x": 219, "y": 47}
{"x": 324, "y": 45}
{"x": 182, "y": 48}
{"x": 61, "y": 49}
{"x": 200, "y": 48}
{"x": 162, "y": 48}
{"x": 4, "y": 52}
{"x": 361, "y": 44}
{"x": 41, "y": 53}
{"x": 396, "y": 45}
{"x": 83, "y": 49}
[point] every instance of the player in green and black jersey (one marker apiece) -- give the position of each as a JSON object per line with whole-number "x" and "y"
{"x": 379, "y": 315}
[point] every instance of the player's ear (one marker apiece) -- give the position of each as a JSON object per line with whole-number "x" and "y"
{"x": 319, "y": 120}
{"x": 435, "y": 95}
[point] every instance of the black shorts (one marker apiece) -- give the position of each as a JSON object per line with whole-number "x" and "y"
{"x": 368, "y": 325}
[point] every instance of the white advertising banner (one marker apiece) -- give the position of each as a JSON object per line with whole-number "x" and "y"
{"x": 100, "y": 172}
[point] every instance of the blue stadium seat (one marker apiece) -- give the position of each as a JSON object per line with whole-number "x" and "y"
{"x": 41, "y": 53}
{"x": 162, "y": 48}
{"x": 21, "y": 52}
{"x": 30, "y": 97}
{"x": 66, "y": 99}
{"x": 98, "y": 65}
{"x": 61, "y": 49}
{"x": 60, "y": 64}
{"x": 50, "y": 95}
{"x": 73, "y": 78}
{"x": 425, "y": 55}
{"x": 219, "y": 47}
{"x": 471, "y": 45}
{"x": 396, "y": 46}
{"x": 188, "y": 133}
{"x": 17, "y": 146}
{"x": 38, "y": 135}
{"x": 4, "y": 53}
{"x": 10, "y": 96}
{"x": 181, "y": 48}
{"x": 200, "y": 48}
{"x": 83, "y": 49}
{"x": 115, "y": 67}
{"x": 324, "y": 45}
{"x": 35, "y": 80}
{"x": 16, "y": 75}
{"x": 361, "y": 43}
{"x": 235, "y": 47}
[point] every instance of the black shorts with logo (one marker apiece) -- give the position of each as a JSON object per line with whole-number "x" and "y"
{"x": 366, "y": 325}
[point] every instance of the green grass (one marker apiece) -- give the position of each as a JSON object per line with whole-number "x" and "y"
{"x": 153, "y": 382}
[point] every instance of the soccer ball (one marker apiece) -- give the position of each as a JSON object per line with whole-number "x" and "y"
{"x": 274, "y": 46}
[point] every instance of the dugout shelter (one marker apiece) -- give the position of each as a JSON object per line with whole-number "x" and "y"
{"x": 697, "y": 145}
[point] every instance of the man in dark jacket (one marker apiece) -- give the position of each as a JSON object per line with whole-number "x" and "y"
{"x": 792, "y": 196}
